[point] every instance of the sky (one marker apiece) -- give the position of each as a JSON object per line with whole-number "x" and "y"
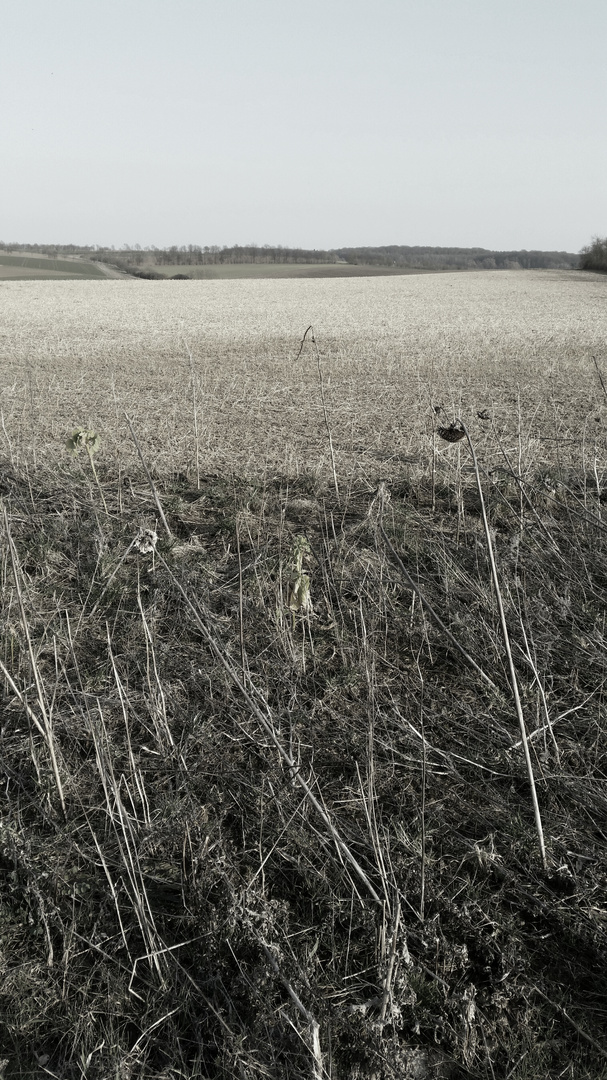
{"x": 312, "y": 123}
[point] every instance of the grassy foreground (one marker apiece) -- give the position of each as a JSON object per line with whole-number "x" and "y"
{"x": 244, "y": 836}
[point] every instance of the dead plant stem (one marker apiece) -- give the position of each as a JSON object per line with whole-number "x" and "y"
{"x": 422, "y": 727}
{"x": 512, "y": 669}
{"x": 150, "y": 481}
{"x": 323, "y": 400}
{"x": 598, "y": 371}
{"x": 319, "y": 1071}
{"x": 195, "y": 408}
{"x": 46, "y": 726}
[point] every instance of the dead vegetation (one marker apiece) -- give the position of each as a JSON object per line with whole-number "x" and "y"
{"x": 266, "y": 810}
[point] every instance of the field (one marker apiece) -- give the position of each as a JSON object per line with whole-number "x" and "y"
{"x": 230, "y": 271}
{"x": 266, "y": 648}
{"x": 82, "y": 352}
{"x": 31, "y": 268}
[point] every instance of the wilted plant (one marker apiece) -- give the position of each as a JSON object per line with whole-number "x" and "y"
{"x": 321, "y": 383}
{"x": 84, "y": 438}
{"x": 146, "y": 541}
{"x": 90, "y": 441}
{"x": 299, "y": 592}
{"x": 150, "y": 480}
{"x": 453, "y": 434}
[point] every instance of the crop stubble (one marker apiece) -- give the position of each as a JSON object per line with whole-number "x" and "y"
{"x": 75, "y": 353}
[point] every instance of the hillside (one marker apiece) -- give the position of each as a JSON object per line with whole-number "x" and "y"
{"x": 25, "y": 267}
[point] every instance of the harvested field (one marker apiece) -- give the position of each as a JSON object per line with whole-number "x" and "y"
{"x": 517, "y": 343}
{"x": 267, "y": 811}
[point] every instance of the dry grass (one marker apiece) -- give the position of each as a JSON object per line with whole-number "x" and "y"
{"x": 247, "y": 838}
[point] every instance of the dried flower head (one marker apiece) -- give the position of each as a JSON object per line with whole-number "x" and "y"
{"x": 146, "y": 541}
{"x": 453, "y": 433}
{"x": 299, "y": 593}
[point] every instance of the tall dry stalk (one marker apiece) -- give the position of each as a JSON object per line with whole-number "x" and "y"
{"x": 422, "y": 728}
{"x": 321, "y": 384}
{"x": 125, "y": 833}
{"x": 8, "y": 441}
{"x": 506, "y": 636}
{"x": 45, "y": 728}
{"x": 243, "y": 654}
{"x": 155, "y": 495}
{"x": 195, "y": 410}
{"x": 598, "y": 371}
{"x": 318, "y": 1069}
{"x": 388, "y": 981}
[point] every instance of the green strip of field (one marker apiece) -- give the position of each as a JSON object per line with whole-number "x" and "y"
{"x": 278, "y": 270}
{"x": 39, "y": 266}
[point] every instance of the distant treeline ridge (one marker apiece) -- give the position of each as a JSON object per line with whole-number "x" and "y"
{"x": 398, "y": 255}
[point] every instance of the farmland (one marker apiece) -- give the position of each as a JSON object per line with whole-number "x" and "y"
{"x": 81, "y": 352}
{"x": 20, "y": 267}
{"x": 267, "y": 811}
{"x": 230, "y": 271}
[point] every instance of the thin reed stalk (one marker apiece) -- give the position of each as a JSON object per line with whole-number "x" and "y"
{"x": 195, "y": 409}
{"x": 387, "y": 992}
{"x": 512, "y": 669}
{"x": 150, "y": 481}
{"x": 46, "y": 727}
{"x": 422, "y": 728}
{"x": 321, "y": 384}
{"x": 94, "y": 471}
{"x": 318, "y": 1069}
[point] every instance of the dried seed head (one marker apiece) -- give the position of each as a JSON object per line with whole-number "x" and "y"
{"x": 381, "y": 497}
{"x": 146, "y": 541}
{"x": 453, "y": 433}
{"x": 299, "y": 596}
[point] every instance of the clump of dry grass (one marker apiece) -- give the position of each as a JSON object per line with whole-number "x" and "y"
{"x": 297, "y": 839}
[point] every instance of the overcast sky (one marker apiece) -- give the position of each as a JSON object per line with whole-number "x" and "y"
{"x": 315, "y": 123}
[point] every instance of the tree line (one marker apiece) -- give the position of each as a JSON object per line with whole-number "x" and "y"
{"x": 594, "y": 255}
{"x": 455, "y": 258}
{"x": 184, "y": 255}
{"x": 400, "y": 256}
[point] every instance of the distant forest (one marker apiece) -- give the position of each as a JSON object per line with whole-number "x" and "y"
{"x": 398, "y": 255}
{"x": 594, "y": 256}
